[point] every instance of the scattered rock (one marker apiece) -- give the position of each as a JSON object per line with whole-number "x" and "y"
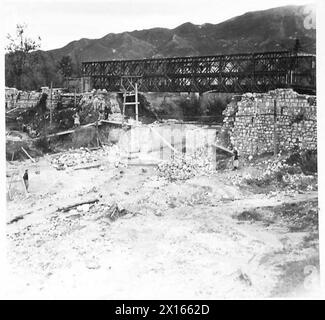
{"x": 84, "y": 156}
{"x": 185, "y": 166}
{"x": 244, "y": 278}
{"x": 92, "y": 264}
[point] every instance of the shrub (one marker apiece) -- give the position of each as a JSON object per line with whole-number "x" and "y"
{"x": 42, "y": 144}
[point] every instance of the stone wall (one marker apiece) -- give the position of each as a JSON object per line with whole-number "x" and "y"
{"x": 255, "y": 123}
{"x": 21, "y": 99}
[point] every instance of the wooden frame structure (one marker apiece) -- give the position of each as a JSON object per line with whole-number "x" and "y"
{"x": 129, "y": 87}
{"x": 235, "y": 73}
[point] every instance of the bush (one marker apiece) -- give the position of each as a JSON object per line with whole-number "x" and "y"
{"x": 309, "y": 162}
{"x": 42, "y": 144}
{"x": 306, "y": 160}
{"x": 249, "y": 216}
{"x": 216, "y": 105}
{"x": 191, "y": 108}
{"x": 63, "y": 118}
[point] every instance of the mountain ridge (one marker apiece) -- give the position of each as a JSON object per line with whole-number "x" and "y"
{"x": 264, "y": 30}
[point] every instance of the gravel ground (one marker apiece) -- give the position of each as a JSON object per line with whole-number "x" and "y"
{"x": 183, "y": 239}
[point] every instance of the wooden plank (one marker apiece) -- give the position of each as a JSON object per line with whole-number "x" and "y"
{"x": 77, "y": 204}
{"x": 115, "y": 122}
{"x": 12, "y": 110}
{"x": 28, "y": 155}
{"x": 222, "y": 148}
{"x": 60, "y": 133}
{"x": 131, "y": 103}
{"x": 71, "y": 131}
{"x": 87, "y": 167}
{"x": 19, "y": 217}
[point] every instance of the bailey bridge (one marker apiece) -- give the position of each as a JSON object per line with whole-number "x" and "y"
{"x": 234, "y": 73}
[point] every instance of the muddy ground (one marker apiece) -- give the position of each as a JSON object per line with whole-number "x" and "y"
{"x": 203, "y": 238}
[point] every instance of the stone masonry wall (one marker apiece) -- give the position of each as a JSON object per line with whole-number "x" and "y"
{"x": 249, "y": 122}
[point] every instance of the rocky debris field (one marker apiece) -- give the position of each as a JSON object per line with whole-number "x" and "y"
{"x": 123, "y": 231}
{"x": 183, "y": 166}
{"x": 280, "y": 173}
{"x": 302, "y": 216}
{"x": 266, "y": 175}
{"x": 84, "y": 156}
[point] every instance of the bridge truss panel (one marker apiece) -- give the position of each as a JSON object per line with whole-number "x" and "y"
{"x": 256, "y": 72}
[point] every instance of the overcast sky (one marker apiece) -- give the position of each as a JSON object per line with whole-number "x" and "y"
{"x": 59, "y": 22}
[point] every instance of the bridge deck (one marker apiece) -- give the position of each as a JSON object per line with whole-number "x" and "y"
{"x": 238, "y": 73}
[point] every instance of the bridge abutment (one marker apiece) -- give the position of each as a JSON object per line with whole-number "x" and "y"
{"x": 280, "y": 120}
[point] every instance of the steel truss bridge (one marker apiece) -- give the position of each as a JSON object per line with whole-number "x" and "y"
{"x": 234, "y": 73}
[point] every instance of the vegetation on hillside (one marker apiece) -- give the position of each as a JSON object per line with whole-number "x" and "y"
{"x": 273, "y": 29}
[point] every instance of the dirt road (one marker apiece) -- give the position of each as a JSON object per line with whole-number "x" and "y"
{"x": 180, "y": 240}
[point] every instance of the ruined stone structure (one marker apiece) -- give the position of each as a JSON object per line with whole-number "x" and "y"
{"x": 21, "y": 99}
{"x": 280, "y": 120}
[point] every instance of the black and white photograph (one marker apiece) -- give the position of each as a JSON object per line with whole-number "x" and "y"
{"x": 161, "y": 149}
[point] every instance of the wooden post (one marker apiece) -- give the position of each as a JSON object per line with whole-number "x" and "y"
{"x": 123, "y": 108}
{"x": 75, "y": 99}
{"x": 275, "y": 133}
{"x": 172, "y": 140}
{"x": 136, "y": 103}
{"x": 51, "y": 106}
{"x": 97, "y": 134}
{"x": 183, "y": 134}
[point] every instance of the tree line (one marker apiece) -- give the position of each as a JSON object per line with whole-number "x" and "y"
{"x": 28, "y": 68}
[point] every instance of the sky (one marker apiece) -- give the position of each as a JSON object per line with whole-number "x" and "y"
{"x": 59, "y": 22}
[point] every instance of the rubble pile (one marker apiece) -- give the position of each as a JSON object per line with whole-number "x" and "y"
{"x": 92, "y": 106}
{"x": 114, "y": 211}
{"x": 21, "y": 99}
{"x": 250, "y": 121}
{"x": 68, "y": 100}
{"x": 185, "y": 166}
{"x": 84, "y": 156}
{"x": 71, "y": 159}
{"x": 277, "y": 173}
{"x": 300, "y": 217}
{"x": 99, "y": 99}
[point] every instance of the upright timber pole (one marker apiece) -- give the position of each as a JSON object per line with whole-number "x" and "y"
{"x": 97, "y": 134}
{"x": 51, "y": 105}
{"x": 123, "y": 108}
{"x": 97, "y": 131}
{"x": 275, "y": 131}
{"x": 136, "y": 103}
